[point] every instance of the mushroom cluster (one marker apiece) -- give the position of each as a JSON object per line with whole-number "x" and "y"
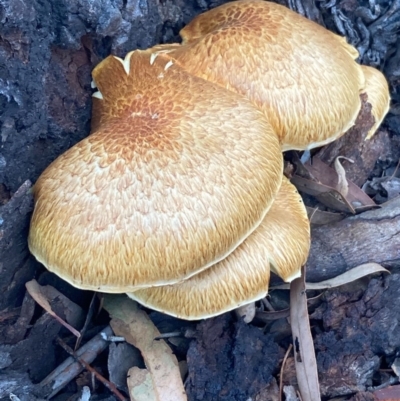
{"x": 177, "y": 197}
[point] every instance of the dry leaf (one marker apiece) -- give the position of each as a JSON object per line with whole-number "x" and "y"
{"x": 136, "y": 327}
{"x": 351, "y": 275}
{"x": 329, "y": 196}
{"x": 342, "y": 185}
{"x": 140, "y": 385}
{"x": 356, "y": 199}
{"x": 322, "y": 182}
{"x": 35, "y": 291}
{"x": 303, "y": 345}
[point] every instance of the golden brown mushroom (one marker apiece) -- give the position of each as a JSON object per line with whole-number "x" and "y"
{"x": 281, "y": 242}
{"x": 301, "y": 75}
{"x": 173, "y": 178}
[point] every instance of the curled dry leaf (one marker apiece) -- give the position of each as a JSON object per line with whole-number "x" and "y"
{"x": 342, "y": 184}
{"x": 162, "y": 366}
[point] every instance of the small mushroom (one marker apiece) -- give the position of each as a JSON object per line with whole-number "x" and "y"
{"x": 280, "y": 243}
{"x": 176, "y": 174}
{"x": 304, "y": 77}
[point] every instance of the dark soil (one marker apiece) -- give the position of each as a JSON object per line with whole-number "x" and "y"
{"x": 47, "y": 51}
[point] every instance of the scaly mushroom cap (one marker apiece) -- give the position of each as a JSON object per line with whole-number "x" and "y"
{"x": 301, "y": 75}
{"x": 281, "y": 242}
{"x": 177, "y": 173}
{"x": 377, "y": 90}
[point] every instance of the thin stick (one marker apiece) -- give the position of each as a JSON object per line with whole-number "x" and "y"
{"x": 70, "y": 368}
{"x": 108, "y": 384}
{"x": 281, "y": 372}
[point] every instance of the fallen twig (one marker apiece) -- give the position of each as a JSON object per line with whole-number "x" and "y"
{"x": 87, "y": 366}
{"x": 70, "y": 368}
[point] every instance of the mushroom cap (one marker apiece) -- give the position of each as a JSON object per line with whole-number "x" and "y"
{"x": 176, "y": 174}
{"x": 301, "y": 75}
{"x": 377, "y": 90}
{"x": 281, "y": 242}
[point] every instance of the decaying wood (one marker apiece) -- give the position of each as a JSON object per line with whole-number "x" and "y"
{"x": 372, "y": 236}
{"x": 361, "y": 323}
{"x": 15, "y": 268}
{"x": 230, "y": 361}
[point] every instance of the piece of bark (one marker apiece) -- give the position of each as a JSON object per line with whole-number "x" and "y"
{"x": 15, "y": 268}
{"x": 12, "y": 334}
{"x": 35, "y": 354}
{"x": 230, "y": 361}
{"x": 18, "y": 384}
{"x": 372, "y": 236}
{"x": 121, "y": 357}
{"x": 361, "y": 329}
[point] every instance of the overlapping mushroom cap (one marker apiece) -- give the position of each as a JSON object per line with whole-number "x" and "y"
{"x": 172, "y": 179}
{"x": 280, "y": 243}
{"x": 301, "y": 75}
